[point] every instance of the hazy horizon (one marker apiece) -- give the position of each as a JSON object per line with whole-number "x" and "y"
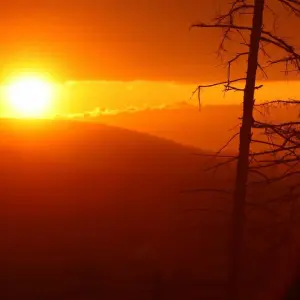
{"x": 116, "y": 96}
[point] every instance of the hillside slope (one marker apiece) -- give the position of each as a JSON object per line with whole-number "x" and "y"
{"x": 90, "y": 212}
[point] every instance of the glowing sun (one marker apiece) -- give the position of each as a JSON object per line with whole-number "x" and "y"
{"x": 29, "y": 96}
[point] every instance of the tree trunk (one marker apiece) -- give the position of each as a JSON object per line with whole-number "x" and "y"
{"x": 239, "y": 197}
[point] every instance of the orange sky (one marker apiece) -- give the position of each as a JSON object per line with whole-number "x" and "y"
{"x": 124, "y": 53}
{"x": 113, "y": 39}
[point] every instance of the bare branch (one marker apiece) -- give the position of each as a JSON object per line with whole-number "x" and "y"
{"x": 214, "y": 155}
{"x": 273, "y": 151}
{"x": 221, "y": 164}
{"x": 208, "y": 210}
{"x": 228, "y": 143}
{"x": 258, "y": 124}
{"x": 205, "y": 190}
{"x": 231, "y": 61}
{"x": 292, "y": 5}
{"x": 224, "y": 83}
{"x": 279, "y": 102}
{"x": 223, "y": 26}
{"x": 264, "y": 176}
{"x": 234, "y": 9}
{"x": 278, "y": 178}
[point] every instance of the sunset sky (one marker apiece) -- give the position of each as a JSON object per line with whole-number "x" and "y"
{"x": 142, "y": 157}
{"x": 95, "y": 43}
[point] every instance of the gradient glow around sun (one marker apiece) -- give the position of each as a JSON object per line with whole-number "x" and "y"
{"x": 29, "y": 96}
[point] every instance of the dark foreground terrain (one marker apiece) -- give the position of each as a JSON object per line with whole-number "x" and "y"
{"x": 96, "y": 212}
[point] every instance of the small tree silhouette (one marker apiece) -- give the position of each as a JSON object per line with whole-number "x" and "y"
{"x": 255, "y": 39}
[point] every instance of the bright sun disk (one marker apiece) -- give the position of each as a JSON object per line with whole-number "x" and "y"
{"x": 29, "y": 96}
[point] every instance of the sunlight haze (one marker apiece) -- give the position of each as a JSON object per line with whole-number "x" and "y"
{"x": 79, "y": 97}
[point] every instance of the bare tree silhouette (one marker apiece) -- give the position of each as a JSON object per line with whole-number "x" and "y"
{"x": 282, "y": 139}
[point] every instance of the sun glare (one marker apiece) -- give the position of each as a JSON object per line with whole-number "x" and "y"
{"x": 29, "y": 96}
